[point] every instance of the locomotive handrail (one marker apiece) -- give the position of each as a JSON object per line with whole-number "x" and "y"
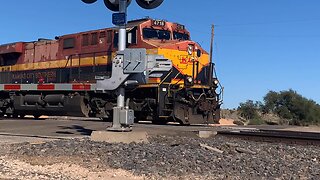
{"x": 176, "y": 77}
{"x": 219, "y": 83}
{"x": 165, "y": 78}
{"x": 69, "y": 57}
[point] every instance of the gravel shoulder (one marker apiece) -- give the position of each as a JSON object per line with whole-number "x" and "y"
{"x": 164, "y": 157}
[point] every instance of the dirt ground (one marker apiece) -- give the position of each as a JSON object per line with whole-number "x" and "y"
{"x": 304, "y": 129}
{"x": 20, "y": 169}
{"x": 226, "y": 122}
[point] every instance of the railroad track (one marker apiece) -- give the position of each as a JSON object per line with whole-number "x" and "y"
{"x": 275, "y": 136}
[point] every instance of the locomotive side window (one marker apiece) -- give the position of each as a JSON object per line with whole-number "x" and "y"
{"x": 85, "y": 40}
{"x": 1, "y": 61}
{"x": 180, "y": 36}
{"x": 116, "y": 39}
{"x": 94, "y": 38}
{"x": 69, "y": 43}
{"x": 102, "y": 34}
{"x": 149, "y": 33}
{"x": 109, "y": 36}
{"x": 9, "y": 59}
{"x": 132, "y": 36}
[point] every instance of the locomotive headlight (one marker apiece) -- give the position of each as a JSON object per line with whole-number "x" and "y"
{"x": 189, "y": 79}
{"x": 216, "y": 82}
{"x": 190, "y": 49}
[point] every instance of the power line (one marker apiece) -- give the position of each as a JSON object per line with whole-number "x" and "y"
{"x": 269, "y": 36}
{"x": 267, "y": 23}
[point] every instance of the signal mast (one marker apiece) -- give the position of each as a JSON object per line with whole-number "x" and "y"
{"x": 123, "y": 117}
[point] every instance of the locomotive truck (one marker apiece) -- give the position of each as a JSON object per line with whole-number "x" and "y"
{"x": 58, "y": 76}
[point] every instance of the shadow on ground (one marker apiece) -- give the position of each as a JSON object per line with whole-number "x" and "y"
{"x": 79, "y": 129}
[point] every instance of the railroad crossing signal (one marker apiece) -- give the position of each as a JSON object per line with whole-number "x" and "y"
{"x": 123, "y": 122}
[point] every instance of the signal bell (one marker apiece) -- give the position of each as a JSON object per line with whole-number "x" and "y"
{"x": 113, "y": 5}
{"x": 149, "y": 4}
{"x": 89, "y": 1}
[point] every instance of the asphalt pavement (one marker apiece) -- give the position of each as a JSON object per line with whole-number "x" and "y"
{"x": 61, "y": 127}
{"x": 77, "y": 127}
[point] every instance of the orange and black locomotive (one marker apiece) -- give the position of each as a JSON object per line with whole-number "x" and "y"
{"x": 58, "y": 77}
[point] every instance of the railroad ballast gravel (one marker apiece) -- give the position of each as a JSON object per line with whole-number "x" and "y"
{"x": 168, "y": 157}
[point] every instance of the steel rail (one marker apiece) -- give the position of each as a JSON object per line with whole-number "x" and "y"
{"x": 284, "y": 136}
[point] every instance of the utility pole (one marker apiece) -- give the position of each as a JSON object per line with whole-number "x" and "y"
{"x": 211, "y": 54}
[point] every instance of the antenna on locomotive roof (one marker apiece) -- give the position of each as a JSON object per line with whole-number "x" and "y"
{"x": 120, "y": 19}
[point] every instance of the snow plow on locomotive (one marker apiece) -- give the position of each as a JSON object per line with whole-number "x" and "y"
{"x": 58, "y": 77}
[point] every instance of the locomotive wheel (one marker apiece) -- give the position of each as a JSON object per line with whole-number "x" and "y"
{"x": 181, "y": 113}
{"x": 15, "y": 115}
{"x": 36, "y": 116}
{"x": 160, "y": 121}
{"x": 217, "y": 116}
{"x": 22, "y": 116}
{"x": 85, "y": 109}
{"x": 106, "y": 119}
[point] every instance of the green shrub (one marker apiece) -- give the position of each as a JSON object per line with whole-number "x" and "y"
{"x": 256, "y": 121}
{"x": 288, "y": 105}
{"x": 249, "y": 110}
{"x": 292, "y": 106}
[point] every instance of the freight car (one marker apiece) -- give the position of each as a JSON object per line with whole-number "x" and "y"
{"x": 58, "y": 77}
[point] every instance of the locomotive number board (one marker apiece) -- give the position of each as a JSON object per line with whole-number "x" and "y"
{"x": 158, "y": 23}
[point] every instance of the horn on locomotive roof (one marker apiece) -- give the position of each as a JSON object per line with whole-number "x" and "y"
{"x": 149, "y": 4}
{"x": 89, "y": 1}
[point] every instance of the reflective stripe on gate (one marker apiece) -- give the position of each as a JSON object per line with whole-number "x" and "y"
{"x": 48, "y": 87}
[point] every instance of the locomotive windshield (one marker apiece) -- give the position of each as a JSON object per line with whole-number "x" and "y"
{"x": 180, "y": 36}
{"x": 149, "y": 33}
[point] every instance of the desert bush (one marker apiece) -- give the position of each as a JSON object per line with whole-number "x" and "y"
{"x": 256, "y": 121}
{"x": 249, "y": 109}
{"x": 288, "y": 105}
{"x": 292, "y": 106}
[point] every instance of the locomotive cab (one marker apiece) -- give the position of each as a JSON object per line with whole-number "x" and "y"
{"x": 184, "y": 94}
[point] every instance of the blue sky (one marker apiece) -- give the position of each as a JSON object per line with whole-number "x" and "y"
{"x": 259, "y": 45}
